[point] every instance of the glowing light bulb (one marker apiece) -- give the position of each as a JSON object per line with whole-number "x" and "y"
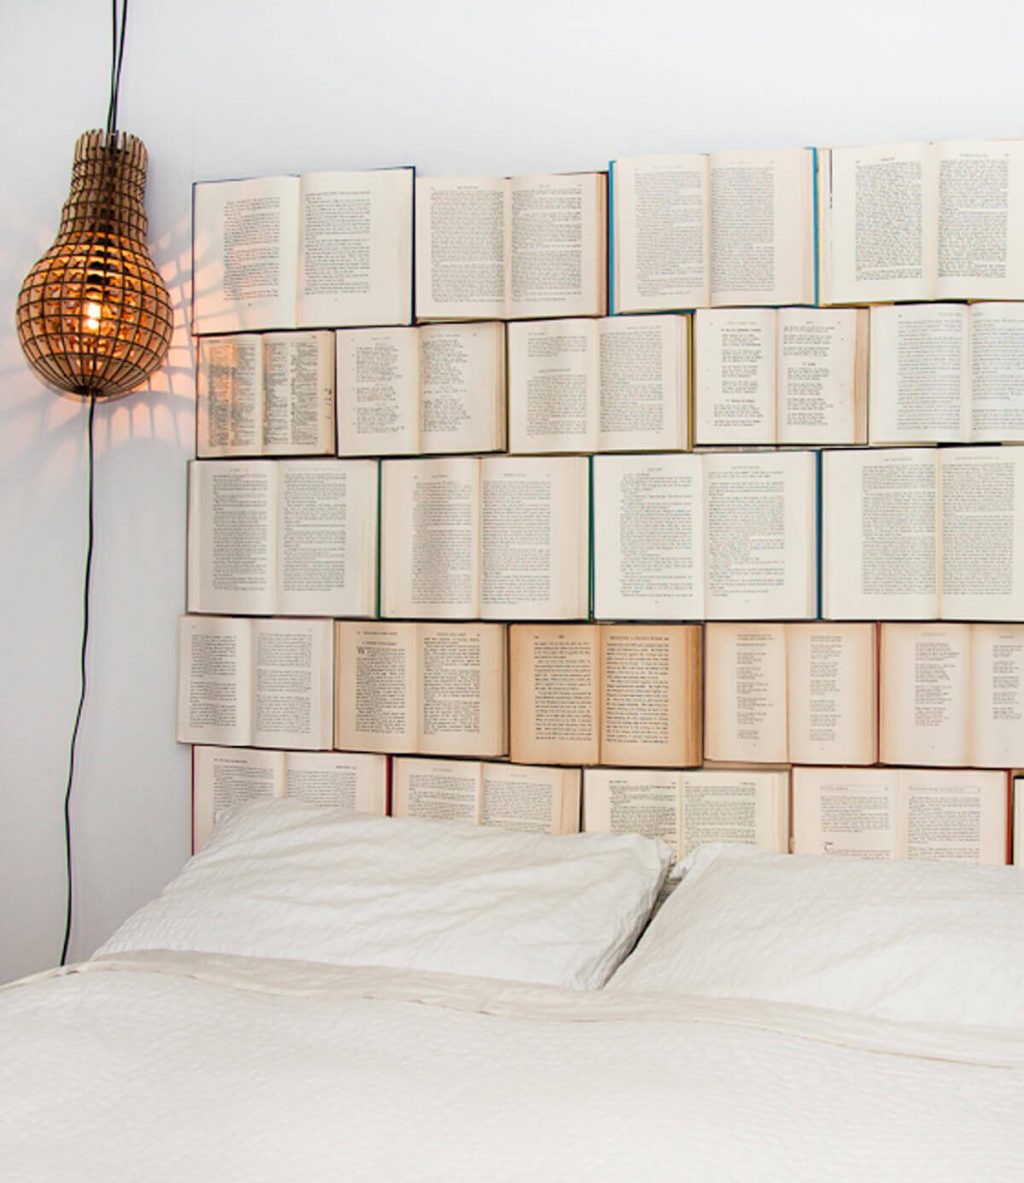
{"x": 91, "y": 318}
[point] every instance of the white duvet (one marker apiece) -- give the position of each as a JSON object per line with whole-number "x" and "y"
{"x": 190, "y": 1068}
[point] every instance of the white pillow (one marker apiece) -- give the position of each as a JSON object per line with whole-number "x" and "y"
{"x": 926, "y": 942}
{"x": 285, "y": 879}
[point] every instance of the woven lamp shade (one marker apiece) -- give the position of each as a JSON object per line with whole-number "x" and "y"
{"x": 93, "y": 316}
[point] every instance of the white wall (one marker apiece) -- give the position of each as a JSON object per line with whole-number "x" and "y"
{"x": 221, "y": 88}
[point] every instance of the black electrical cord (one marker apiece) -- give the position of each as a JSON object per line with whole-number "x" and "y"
{"x": 116, "y": 61}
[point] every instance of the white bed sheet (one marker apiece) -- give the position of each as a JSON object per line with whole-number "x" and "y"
{"x": 166, "y": 1067}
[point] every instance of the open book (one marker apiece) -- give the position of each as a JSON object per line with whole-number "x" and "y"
{"x": 319, "y": 250}
{"x": 503, "y": 248}
{"x": 952, "y": 694}
{"x": 799, "y": 693}
{"x": 255, "y": 683}
{"x": 786, "y": 376}
{"x": 436, "y": 388}
{"x": 265, "y": 394}
{"x": 605, "y": 694}
{"x": 918, "y": 813}
{"x": 619, "y": 383}
{"x": 698, "y": 231}
{"x": 923, "y": 534}
{"x": 691, "y": 806}
{"x": 435, "y": 689}
{"x": 284, "y": 538}
{"x": 223, "y": 777}
{"x": 947, "y": 373}
{"x": 512, "y": 796}
{"x": 499, "y": 538}
{"x": 724, "y": 536}
{"x": 922, "y": 222}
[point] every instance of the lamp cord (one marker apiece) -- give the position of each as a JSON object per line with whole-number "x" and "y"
{"x": 117, "y": 32}
{"x": 86, "y": 588}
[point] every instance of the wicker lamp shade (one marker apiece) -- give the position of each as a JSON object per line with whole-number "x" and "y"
{"x": 94, "y": 317}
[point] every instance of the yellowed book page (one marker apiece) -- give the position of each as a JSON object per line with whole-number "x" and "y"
{"x": 530, "y": 799}
{"x": 997, "y": 361}
{"x": 644, "y": 381}
{"x": 832, "y": 676}
{"x": 233, "y": 509}
{"x": 445, "y": 790}
{"x": 378, "y": 382}
{"x": 245, "y": 255}
{"x": 745, "y": 693}
{"x": 741, "y": 805}
{"x": 214, "y": 680}
{"x": 553, "y": 386}
{"x": 997, "y": 696}
{"x": 649, "y": 537}
{"x": 957, "y": 815}
{"x": 535, "y": 538}
{"x": 462, "y": 229}
{"x": 1018, "y": 820}
{"x": 463, "y": 702}
{"x": 846, "y": 811}
{"x": 298, "y": 401}
{"x": 555, "y": 693}
{"x": 762, "y": 225}
{"x": 292, "y": 684}
{"x": 356, "y": 781}
{"x": 430, "y": 538}
{"x": 925, "y": 696}
{"x": 633, "y": 801}
{"x": 662, "y": 233}
{"x": 229, "y": 396}
{"x": 375, "y": 700}
{"x": 355, "y": 248}
{"x": 880, "y": 525}
{"x": 816, "y": 384}
{"x": 462, "y": 397}
{"x": 224, "y": 777}
{"x": 734, "y": 352}
{"x": 651, "y": 703}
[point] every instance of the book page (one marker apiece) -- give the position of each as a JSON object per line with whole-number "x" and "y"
{"x": 956, "y": 815}
{"x": 553, "y": 386}
{"x": 214, "y": 690}
{"x": 245, "y": 251}
{"x": 463, "y": 702}
{"x": 298, "y": 403}
{"x": 1018, "y": 821}
{"x": 920, "y": 374}
{"x": 734, "y": 353}
{"x": 355, "y": 257}
{"x": 462, "y": 388}
{"x": 557, "y": 246}
{"x": 745, "y": 696}
{"x": 445, "y": 790}
{"x": 225, "y": 777}
{"x": 377, "y": 682}
{"x": 980, "y": 208}
{"x": 292, "y": 684}
{"x": 430, "y": 538}
{"x": 735, "y": 805}
{"x": 229, "y": 396}
{"x": 644, "y": 382}
{"x": 762, "y": 227}
{"x": 997, "y": 696}
{"x": 535, "y": 538}
{"x": 462, "y": 228}
{"x": 881, "y": 228}
{"x": 819, "y": 355}
{"x": 832, "y": 679}
{"x": 632, "y": 801}
{"x": 356, "y": 781}
{"x": 982, "y": 553}
{"x": 327, "y": 548}
{"x": 879, "y": 534}
{"x": 648, "y": 537}
{"x": 530, "y": 799}
{"x": 554, "y": 696}
{"x": 662, "y": 233}
{"x": 760, "y": 529}
{"x": 925, "y": 693}
{"x": 997, "y": 362}
{"x": 378, "y": 391}
{"x": 651, "y": 701}
{"x": 846, "y": 811}
{"x": 232, "y": 536}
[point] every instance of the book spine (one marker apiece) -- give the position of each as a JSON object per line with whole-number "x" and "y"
{"x": 612, "y": 309}
{"x": 590, "y": 538}
{"x": 380, "y": 536}
{"x": 819, "y": 527}
{"x": 815, "y": 197}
